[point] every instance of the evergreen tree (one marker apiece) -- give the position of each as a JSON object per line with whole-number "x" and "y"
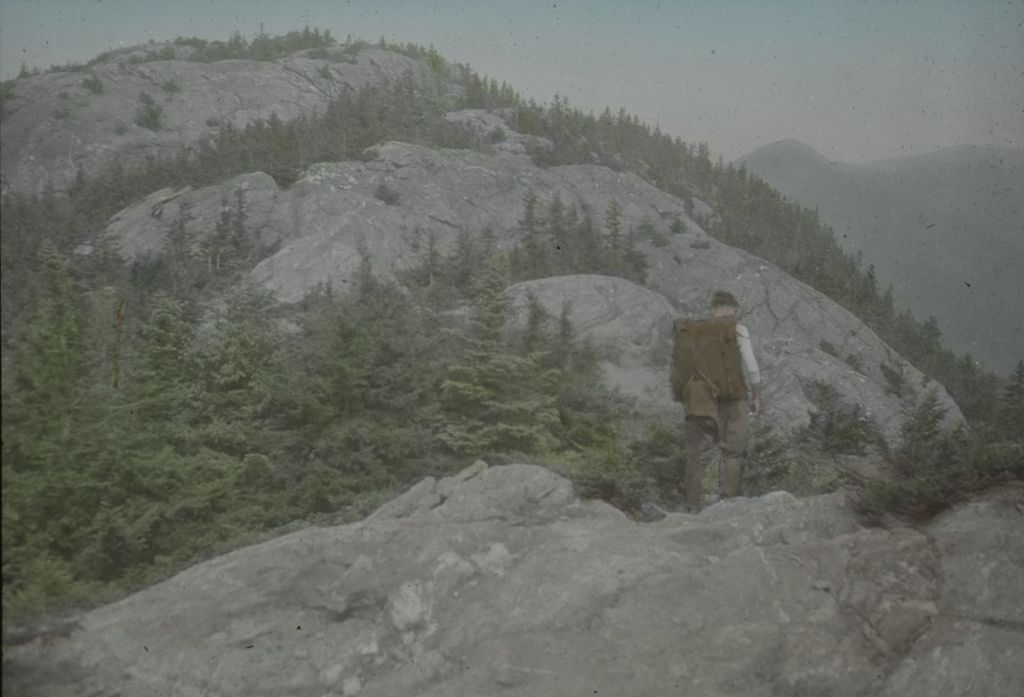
{"x": 534, "y": 338}
{"x": 181, "y": 257}
{"x": 921, "y": 434}
{"x": 613, "y": 223}
{"x": 162, "y": 388}
{"x": 496, "y": 401}
{"x": 237, "y": 367}
{"x": 533, "y": 260}
{"x": 39, "y": 418}
{"x": 43, "y": 412}
{"x": 1010, "y": 413}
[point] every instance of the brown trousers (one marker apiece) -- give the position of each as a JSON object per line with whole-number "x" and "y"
{"x": 699, "y": 438}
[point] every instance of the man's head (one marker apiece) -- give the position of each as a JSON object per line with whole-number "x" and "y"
{"x": 723, "y": 304}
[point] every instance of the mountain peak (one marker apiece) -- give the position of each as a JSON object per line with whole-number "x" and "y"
{"x": 785, "y": 153}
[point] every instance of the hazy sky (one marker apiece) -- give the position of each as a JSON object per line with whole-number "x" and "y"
{"x": 857, "y": 80}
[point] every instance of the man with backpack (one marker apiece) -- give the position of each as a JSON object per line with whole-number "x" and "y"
{"x": 709, "y": 359}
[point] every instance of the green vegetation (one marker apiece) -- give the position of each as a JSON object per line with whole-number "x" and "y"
{"x": 149, "y": 114}
{"x": 808, "y": 461}
{"x": 895, "y": 379}
{"x": 559, "y": 238}
{"x": 6, "y": 92}
{"x": 93, "y": 84}
{"x": 135, "y": 446}
{"x": 263, "y": 47}
{"x": 386, "y": 194}
{"x": 836, "y": 427}
{"x": 936, "y": 469}
{"x": 932, "y": 469}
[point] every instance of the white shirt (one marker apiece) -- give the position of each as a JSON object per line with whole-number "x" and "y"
{"x": 747, "y": 356}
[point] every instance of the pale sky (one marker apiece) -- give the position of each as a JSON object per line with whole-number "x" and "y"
{"x": 858, "y": 81}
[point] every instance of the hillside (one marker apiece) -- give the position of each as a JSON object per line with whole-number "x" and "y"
{"x": 332, "y": 221}
{"x": 223, "y": 327}
{"x": 943, "y": 228}
{"x": 135, "y": 108}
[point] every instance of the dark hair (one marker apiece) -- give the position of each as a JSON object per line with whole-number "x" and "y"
{"x": 721, "y": 297}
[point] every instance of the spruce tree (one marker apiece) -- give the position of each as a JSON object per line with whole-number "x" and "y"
{"x": 496, "y": 401}
{"x": 615, "y": 264}
{"x": 236, "y": 367}
{"x": 43, "y": 411}
{"x": 921, "y": 434}
{"x": 1011, "y": 407}
{"x": 162, "y": 387}
{"x": 44, "y": 402}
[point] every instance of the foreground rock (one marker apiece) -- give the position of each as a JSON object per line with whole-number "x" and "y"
{"x": 500, "y": 582}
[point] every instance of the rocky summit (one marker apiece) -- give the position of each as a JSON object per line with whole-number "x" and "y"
{"x": 320, "y": 230}
{"x": 500, "y": 581}
{"x": 60, "y": 124}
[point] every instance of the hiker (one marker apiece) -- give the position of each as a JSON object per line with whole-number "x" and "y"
{"x": 709, "y": 360}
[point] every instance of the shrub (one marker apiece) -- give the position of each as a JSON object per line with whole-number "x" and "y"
{"x": 93, "y": 84}
{"x": 647, "y": 231}
{"x": 829, "y": 348}
{"x": 386, "y": 194}
{"x": 622, "y": 482}
{"x": 768, "y": 461}
{"x": 837, "y": 427}
{"x": 994, "y": 463}
{"x": 937, "y": 468}
{"x": 171, "y": 86}
{"x": 777, "y": 463}
{"x": 257, "y": 473}
{"x": 43, "y": 585}
{"x": 149, "y": 114}
{"x": 895, "y": 380}
{"x": 923, "y": 445}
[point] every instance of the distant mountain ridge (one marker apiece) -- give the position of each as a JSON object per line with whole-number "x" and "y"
{"x": 944, "y": 228}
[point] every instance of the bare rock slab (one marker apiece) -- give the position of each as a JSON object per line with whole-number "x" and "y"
{"x": 500, "y": 581}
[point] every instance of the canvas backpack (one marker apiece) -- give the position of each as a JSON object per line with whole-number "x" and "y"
{"x": 707, "y": 351}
